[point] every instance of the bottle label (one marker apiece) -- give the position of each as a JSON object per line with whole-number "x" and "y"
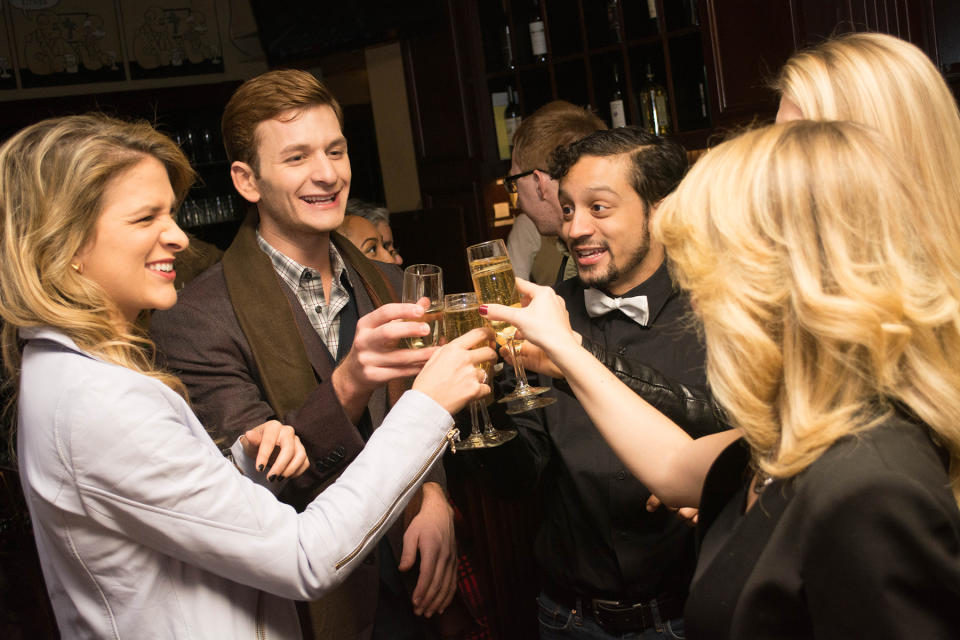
{"x": 660, "y": 115}
{"x": 511, "y": 124}
{"x": 617, "y": 116}
{"x": 538, "y": 40}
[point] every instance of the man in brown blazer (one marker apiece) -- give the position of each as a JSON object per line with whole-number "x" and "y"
{"x": 296, "y": 324}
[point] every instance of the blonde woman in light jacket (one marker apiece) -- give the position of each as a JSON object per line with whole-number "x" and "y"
{"x": 144, "y": 528}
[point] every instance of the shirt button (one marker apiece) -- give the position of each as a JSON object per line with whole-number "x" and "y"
{"x": 317, "y": 309}
{"x": 307, "y": 275}
{"x": 621, "y": 475}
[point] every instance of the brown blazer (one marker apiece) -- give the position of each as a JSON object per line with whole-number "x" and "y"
{"x": 247, "y": 352}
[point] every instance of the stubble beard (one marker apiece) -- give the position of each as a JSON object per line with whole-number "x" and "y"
{"x": 591, "y": 276}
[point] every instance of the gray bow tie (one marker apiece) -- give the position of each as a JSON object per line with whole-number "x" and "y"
{"x": 635, "y": 307}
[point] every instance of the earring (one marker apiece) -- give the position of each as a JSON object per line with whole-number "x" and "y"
{"x": 78, "y": 267}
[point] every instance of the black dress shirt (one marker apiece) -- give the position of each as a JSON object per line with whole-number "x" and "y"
{"x": 597, "y": 539}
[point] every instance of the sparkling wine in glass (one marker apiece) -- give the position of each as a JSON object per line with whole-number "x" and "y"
{"x": 460, "y": 315}
{"x": 425, "y": 281}
{"x": 494, "y": 282}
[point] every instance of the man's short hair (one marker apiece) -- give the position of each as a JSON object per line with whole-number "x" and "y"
{"x": 264, "y": 97}
{"x": 372, "y": 212}
{"x": 658, "y": 164}
{"x": 550, "y": 126}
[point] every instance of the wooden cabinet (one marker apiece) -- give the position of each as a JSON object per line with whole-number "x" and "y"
{"x": 749, "y": 42}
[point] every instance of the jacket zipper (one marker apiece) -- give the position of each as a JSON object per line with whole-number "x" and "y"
{"x": 261, "y": 630}
{"x": 450, "y": 438}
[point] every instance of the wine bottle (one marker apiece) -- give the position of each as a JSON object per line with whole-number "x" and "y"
{"x": 538, "y": 37}
{"x": 613, "y": 20}
{"x": 618, "y": 116}
{"x": 654, "y": 109}
{"x": 511, "y": 116}
{"x": 506, "y": 43}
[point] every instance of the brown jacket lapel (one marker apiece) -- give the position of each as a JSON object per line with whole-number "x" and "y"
{"x": 266, "y": 318}
{"x": 270, "y": 322}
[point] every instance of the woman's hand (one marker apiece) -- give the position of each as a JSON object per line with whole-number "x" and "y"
{"x": 452, "y": 376}
{"x": 542, "y": 320}
{"x": 533, "y": 357}
{"x": 277, "y": 450}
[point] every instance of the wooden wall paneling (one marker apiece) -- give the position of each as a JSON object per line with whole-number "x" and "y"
{"x": 911, "y": 20}
{"x": 444, "y": 122}
{"x": 750, "y": 40}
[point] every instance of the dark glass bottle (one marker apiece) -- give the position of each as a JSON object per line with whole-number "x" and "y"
{"x": 618, "y": 117}
{"x": 506, "y": 42}
{"x": 511, "y": 116}
{"x": 538, "y": 36}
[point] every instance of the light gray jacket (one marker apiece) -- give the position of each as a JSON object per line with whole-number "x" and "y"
{"x": 145, "y": 530}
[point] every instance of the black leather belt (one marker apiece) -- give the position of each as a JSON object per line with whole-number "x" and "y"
{"x": 620, "y": 616}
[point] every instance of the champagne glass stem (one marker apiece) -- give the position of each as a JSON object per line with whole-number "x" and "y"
{"x": 474, "y": 424}
{"x": 488, "y": 429}
{"x": 517, "y": 367}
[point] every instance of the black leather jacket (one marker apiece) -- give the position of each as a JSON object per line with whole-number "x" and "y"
{"x": 691, "y": 406}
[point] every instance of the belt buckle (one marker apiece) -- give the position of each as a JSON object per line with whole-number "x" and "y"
{"x": 614, "y": 616}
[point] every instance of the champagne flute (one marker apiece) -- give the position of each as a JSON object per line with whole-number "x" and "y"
{"x": 425, "y": 281}
{"x": 493, "y": 279}
{"x": 460, "y": 315}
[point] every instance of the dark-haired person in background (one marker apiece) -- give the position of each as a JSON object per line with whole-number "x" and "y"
{"x": 380, "y": 218}
{"x": 610, "y": 567}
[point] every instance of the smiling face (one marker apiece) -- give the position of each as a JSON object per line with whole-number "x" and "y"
{"x": 605, "y": 225}
{"x": 130, "y": 254}
{"x": 303, "y": 178}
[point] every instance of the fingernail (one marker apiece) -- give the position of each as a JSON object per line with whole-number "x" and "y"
{"x": 271, "y": 478}
{"x": 482, "y": 310}
{"x": 260, "y": 467}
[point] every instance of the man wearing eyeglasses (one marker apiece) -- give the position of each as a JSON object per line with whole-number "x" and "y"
{"x": 532, "y": 241}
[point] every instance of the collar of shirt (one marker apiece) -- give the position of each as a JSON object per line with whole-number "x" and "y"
{"x": 308, "y": 287}
{"x": 658, "y": 288}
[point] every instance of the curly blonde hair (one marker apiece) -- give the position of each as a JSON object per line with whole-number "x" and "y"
{"x": 891, "y": 86}
{"x": 817, "y": 276}
{"x": 53, "y": 176}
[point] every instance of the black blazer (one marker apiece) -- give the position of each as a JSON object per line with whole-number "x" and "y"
{"x": 865, "y": 543}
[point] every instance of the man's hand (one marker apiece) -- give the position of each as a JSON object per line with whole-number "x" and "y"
{"x": 534, "y": 359}
{"x": 689, "y": 514}
{"x": 377, "y": 356}
{"x": 431, "y": 533}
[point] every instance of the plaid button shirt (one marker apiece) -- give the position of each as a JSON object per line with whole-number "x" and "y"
{"x": 308, "y": 287}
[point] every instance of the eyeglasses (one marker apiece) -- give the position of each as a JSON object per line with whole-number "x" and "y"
{"x": 510, "y": 182}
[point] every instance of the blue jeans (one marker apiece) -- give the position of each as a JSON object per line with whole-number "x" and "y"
{"x": 560, "y": 623}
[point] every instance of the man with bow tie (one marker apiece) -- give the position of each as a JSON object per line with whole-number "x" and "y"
{"x": 609, "y": 566}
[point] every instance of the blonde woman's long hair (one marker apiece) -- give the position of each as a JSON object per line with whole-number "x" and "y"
{"x": 823, "y": 301}
{"x": 53, "y": 176}
{"x": 892, "y": 86}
